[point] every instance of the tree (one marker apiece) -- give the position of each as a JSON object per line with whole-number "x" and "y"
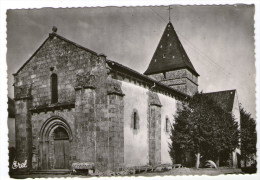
{"x": 202, "y": 128}
{"x": 248, "y": 136}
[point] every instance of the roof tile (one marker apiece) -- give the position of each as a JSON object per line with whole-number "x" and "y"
{"x": 224, "y": 99}
{"x": 169, "y": 55}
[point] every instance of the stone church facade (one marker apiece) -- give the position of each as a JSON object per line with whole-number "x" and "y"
{"x": 74, "y": 105}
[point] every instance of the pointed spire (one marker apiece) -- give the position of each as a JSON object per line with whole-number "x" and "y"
{"x": 169, "y": 55}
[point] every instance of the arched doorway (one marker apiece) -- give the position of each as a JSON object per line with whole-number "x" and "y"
{"x": 55, "y": 142}
{"x": 61, "y": 148}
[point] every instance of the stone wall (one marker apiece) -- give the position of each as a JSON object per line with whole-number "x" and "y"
{"x": 169, "y": 107}
{"x": 11, "y": 132}
{"x": 136, "y": 147}
{"x": 23, "y": 132}
{"x": 116, "y": 125}
{"x": 182, "y": 80}
{"x": 59, "y": 57}
{"x": 191, "y": 87}
{"x": 148, "y": 144}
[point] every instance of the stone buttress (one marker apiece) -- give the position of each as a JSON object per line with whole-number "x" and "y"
{"x": 154, "y": 128}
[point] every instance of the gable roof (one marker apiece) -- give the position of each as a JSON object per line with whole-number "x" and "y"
{"x": 51, "y": 35}
{"x": 225, "y": 99}
{"x": 170, "y": 54}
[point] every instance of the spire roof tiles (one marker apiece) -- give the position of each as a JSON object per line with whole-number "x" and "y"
{"x": 170, "y": 54}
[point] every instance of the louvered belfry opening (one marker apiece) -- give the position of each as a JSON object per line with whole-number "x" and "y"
{"x": 54, "y": 88}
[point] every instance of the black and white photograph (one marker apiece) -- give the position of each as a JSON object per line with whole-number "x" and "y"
{"x": 131, "y": 91}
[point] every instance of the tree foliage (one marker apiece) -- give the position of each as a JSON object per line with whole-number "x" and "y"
{"x": 248, "y": 135}
{"x": 202, "y": 127}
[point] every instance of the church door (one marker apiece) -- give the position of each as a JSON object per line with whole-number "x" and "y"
{"x": 61, "y": 148}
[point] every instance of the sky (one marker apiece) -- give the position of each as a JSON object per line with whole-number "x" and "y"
{"x": 219, "y": 40}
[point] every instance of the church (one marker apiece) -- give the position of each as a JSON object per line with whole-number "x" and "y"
{"x": 74, "y": 105}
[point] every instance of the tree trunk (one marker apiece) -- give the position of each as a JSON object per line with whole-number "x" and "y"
{"x": 197, "y": 160}
{"x": 217, "y": 160}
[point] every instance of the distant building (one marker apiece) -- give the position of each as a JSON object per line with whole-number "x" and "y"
{"x": 228, "y": 100}
{"x": 74, "y": 105}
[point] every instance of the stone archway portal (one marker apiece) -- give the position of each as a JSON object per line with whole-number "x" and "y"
{"x": 55, "y": 139}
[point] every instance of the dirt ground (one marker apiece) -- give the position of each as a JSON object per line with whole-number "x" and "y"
{"x": 173, "y": 172}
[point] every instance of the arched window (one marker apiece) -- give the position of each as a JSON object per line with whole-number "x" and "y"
{"x": 135, "y": 120}
{"x": 167, "y": 124}
{"x": 54, "y": 88}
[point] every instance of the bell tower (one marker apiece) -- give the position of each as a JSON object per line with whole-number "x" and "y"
{"x": 171, "y": 65}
